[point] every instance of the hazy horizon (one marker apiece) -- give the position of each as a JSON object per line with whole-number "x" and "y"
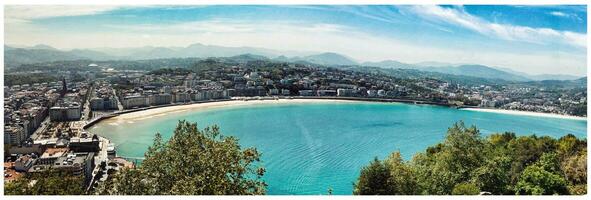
{"x": 530, "y": 39}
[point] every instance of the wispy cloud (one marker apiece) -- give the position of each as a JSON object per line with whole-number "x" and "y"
{"x": 459, "y": 17}
{"x": 234, "y": 26}
{"x": 566, "y": 15}
{"x": 18, "y": 13}
{"x": 559, "y": 14}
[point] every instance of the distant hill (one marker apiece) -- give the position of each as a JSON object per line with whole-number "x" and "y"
{"x": 244, "y": 58}
{"x": 390, "y": 64}
{"x": 436, "y": 64}
{"x": 480, "y": 71}
{"x": 541, "y": 77}
{"x": 327, "y": 58}
{"x": 90, "y": 54}
{"x": 17, "y": 56}
{"x": 42, "y": 46}
{"x": 44, "y": 53}
{"x": 561, "y": 77}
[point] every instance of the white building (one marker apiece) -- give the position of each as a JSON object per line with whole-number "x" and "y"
{"x": 135, "y": 101}
{"x": 65, "y": 112}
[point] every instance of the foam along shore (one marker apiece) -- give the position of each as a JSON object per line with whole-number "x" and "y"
{"x": 155, "y": 112}
{"x": 525, "y": 113}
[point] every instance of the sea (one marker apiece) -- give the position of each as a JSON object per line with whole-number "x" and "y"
{"x": 309, "y": 148}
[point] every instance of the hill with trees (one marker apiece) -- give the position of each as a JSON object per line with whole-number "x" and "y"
{"x": 466, "y": 163}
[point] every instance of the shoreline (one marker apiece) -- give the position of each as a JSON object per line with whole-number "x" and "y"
{"x": 194, "y": 104}
{"x": 155, "y": 111}
{"x": 160, "y": 111}
{"x": 525, "y": 113}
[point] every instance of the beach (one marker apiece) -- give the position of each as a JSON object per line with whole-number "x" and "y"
{"x": 525, "y": 113}
{"x": 156, "y": 112}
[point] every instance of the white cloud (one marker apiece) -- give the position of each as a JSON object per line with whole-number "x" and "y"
{"x": 566, "y": 15}
{"x": 21, "y": 13}
{"x": 235, "y": 26}
{"x": 459, "y": 17}
{"x": 559, "y": 14}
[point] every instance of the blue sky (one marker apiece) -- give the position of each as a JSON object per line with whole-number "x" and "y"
{"x": 532, "y": 39}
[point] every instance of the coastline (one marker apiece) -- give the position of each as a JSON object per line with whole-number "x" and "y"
{"x": 155, "y": 111}
{"x": 525, "y": 113}
{"x": 160, "y": 111}
{"x": 148, "y": 112}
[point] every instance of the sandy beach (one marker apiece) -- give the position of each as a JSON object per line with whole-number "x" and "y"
{"x": 525, "y": 113}
{"x": 155, "y": 112}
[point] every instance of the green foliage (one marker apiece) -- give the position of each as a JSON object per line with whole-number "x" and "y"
{"x": 460, "y": 153}
{"x": 466, "y": 163}
{"x": 465, "y": 189}
{"x": 569, "y": 145}
{"x": 193, "y": 162}
{"x": 549, "y": 162}
{"x": 374, "y": 180}
{"x": 524, "y": 151}
{"x": 389, "y": 177}
{"x": 46, "y": 183}
{"x": 537, "y": 181}
{"x": 493, "y": 175}
{"x": 28, "y": 78}
{"x": 402, "y": 178}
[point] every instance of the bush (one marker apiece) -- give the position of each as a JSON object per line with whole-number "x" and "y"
{"x": 192, "y": 162}
{"x": 465, "y": 189}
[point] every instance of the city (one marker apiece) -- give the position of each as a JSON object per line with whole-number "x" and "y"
{"x": 45, "y": 121}
{"x": 295, "y": 100}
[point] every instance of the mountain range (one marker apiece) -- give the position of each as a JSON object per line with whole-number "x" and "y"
{"x": 15, "y": 56}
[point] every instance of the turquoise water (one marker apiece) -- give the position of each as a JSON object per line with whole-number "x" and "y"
{"x": 308, "y": 148}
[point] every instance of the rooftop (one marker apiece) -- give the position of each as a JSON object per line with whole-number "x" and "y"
{"x": 54, "y": 152}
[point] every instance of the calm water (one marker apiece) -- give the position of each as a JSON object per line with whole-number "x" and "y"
{"x": 308, "y": 148}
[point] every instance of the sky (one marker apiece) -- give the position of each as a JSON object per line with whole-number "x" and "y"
{"x": 531, "y": 39}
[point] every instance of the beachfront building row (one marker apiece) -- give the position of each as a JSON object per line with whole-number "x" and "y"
{"x": 143, "y": 100}
{"x": 104, "y": 103}
{"x": 103, "y": 97}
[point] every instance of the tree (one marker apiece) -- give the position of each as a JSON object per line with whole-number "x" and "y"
{"x": 493, "y": 176}
{"x": 465, "y": 189}
{"x": 569, "y": 145}
{"x": 193, "y": 162}
{"x": 462, "y": 151}
{"x": 543, "y": 177}
{"x": 525, "y": 150}
{"x": 401, "y": 175}
{"x": 374, "y": 180}
{"x": 549, "y": 162}
{"x": 575, "y": 168}
{"x": 50, "y": 182}
{"x": 464, "y": 163}
{"x": 575, "y": 173}
{"x": 537, "y": 181}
